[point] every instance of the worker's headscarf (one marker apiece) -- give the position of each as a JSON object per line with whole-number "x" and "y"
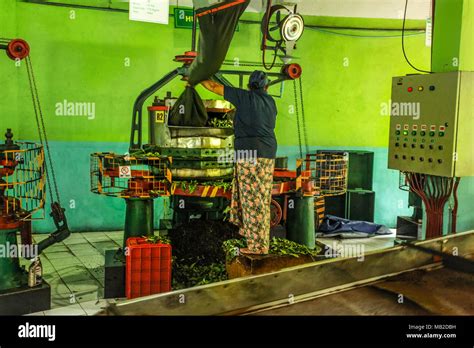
{"x": 258, "y": 80}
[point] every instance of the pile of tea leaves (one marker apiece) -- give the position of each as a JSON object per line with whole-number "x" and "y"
{"x": 187, "y": 275}
{"x": 198, "y": 257}
{"x": 278, "y": 246}
{"x": 201, "y": 249}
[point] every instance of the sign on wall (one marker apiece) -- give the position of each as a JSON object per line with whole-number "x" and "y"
{"x": 153, "y": 11}
{"x": 183, "y": 18}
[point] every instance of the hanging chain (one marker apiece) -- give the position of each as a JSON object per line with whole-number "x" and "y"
{"x": 303, "y": 119}
{"x": 43, "y": 138}
{"x": 298, "y": 126}
{"x": 49, "y": 167}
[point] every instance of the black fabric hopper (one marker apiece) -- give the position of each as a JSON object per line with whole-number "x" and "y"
{"x": 217, "y": 25}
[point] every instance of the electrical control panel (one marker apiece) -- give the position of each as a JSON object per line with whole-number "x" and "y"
{"x": 432, "y": 124}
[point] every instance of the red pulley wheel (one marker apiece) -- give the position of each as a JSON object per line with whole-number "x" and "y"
{"x": 186, "y": 58}
{"x": 18, "y": 49}
{"x": 293, "y": 71}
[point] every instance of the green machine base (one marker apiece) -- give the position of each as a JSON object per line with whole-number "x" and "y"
{"x": 300, "y": 223}
{"x": 11, "y": 275}
{"x": 138, "y": 218}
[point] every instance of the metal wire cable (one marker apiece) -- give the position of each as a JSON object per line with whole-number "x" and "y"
{"x": 49, "y": 167}
{"x": 403, "y": 42}
{"x": 298, "y": 125}
{"x": 303, "y": 119}
{"x": 434, "y": 192}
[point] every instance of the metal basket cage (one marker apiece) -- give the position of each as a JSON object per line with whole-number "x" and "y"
{"x": 126, "y": 177}
{"x": 22, "y": 181}
{"x": 329, "y": 172}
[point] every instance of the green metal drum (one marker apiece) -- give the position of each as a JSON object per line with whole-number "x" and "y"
{"x": 138, "y": 218}
{"x": 11, "y": 274}
{"x": 300, "y": 222}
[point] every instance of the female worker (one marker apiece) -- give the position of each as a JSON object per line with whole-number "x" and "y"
{"x": 255, "y": 148}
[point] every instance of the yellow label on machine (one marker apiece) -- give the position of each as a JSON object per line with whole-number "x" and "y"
{"x": 160, "y": 116}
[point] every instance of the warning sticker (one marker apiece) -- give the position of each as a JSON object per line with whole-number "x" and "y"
{"x": 125, "y": 172}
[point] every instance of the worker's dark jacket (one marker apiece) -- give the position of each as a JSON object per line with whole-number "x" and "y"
{"x": 254, "y": 122}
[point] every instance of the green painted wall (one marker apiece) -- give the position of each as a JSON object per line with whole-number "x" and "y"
{"x": 447, "y": 35}
{"x": 467, "y": 37}
{"x": 453, "y": 44}
{"x": 453, "y": 50}
{"x": 82, "y": 56}
{"x": 8, "y": 71}
{"x": 83, "y": 60}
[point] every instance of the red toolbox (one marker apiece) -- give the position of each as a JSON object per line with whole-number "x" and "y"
{"x": 147, "y": 269}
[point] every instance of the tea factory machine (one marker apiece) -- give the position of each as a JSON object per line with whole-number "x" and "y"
{"x": 26, "y": 173}
{"x": 194, "y": 166}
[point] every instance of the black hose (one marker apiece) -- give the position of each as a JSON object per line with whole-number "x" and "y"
{"x": 54, "y": 238}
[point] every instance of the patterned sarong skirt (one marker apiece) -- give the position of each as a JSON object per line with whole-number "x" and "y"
{"x": 251, "y": 198}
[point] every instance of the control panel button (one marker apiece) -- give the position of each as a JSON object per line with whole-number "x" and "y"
{"x": 441, "y": 134}
{"x": 413, "y": 146}
{"x": 440, "y": 161}
{"x": 422, "y": 133}
{"x": 397, "y": 144}
{"x": 432, "y": 134}
{"x": 405, "y": 132}
{"x": 421, "y": 159}
{"x": 412, "y": 158}
{"x": 422, "y": 146}
{"x": 413, "y": 133}
{"x": 404, "y": 145}
{"x": 397, "y": 132}
{"x": 410, "y": 89}
{"x": 432, "y": 88}
{"x": 431, "y": 147}
{"x": 441, "y": 147}
{"x": 421, "y": 88}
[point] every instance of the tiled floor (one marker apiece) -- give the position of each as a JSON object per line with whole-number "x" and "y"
{"x": 75, "y": 271}
{"x": 75, "y": 268}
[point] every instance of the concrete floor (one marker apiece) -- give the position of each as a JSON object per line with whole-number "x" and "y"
{"x": 75, "y": 268}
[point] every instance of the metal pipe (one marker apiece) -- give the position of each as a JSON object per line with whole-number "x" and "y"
{"x": 193, "y": 42}
{"x": 137, "y": 119}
